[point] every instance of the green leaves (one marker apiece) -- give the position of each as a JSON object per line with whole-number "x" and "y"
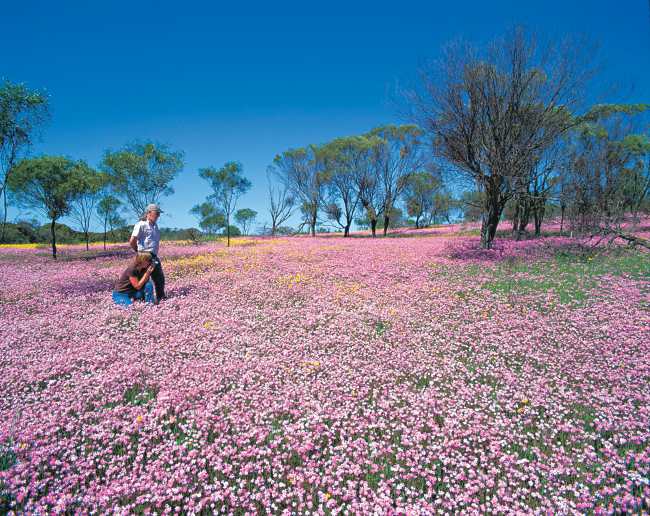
{"x": 142, "y": 172}
{"x": 48, "y": 183}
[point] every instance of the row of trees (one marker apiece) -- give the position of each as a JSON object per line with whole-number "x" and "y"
{"x": 504, "y": 127}
{"x": 359, "y": 178}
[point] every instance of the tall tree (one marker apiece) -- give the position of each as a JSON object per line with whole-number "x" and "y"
{"x": 281, "y": 201}
{"x": 210, "y": 218}
{"x": 83, "y": 206}
{"x": 48, "y": 184}
{"x": 107, "y": 212}
{"x": 398, "y": 156}
{"x": 489, "y": 113}
{"x": 419, "y": 194}
{"x": 345, "y": 161}
{"x": 228, "y": 185}
{"x": 22, "y": 111}
{"x": 245, "y": 218}
{"x": 367, "y": 180}
{"x": 304, "y": 173}
{"x": 141, "y": 173}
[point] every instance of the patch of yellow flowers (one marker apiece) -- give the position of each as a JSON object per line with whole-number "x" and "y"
{"x": 292, "y": 279}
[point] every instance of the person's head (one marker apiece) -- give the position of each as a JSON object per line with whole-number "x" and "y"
{"x": 142, "y": 261}
{"x": 152, "y": 213}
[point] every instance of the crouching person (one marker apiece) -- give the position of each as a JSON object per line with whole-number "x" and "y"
{"x": 134, "y": 283}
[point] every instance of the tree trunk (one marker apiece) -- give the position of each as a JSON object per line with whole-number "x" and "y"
{"x": 524, "y": 219}
{"x": 386, "y": 222}
{"x": 346, "y": 230}
{"x": 515, "y": 219}
{"x": 490, "y": 218}
{"x": 373, "y": 227}
{"x": 4, "y": 212}
{"x": 53, "y": 231}
{"x": 539, "y": 217}
{"x": 562, "y": 208}
{"x": 105, "y": 222}
{"x": 228, "y": 231}
{"x": 417, "y": 222}
{"x": 87, "y": 239}
{"x": 312, "y": 223}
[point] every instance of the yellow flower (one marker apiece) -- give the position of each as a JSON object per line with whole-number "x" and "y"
{"x": 208, "y": 325}
{"x": 521, "y": 410}
{"x": 525, "y": 401}
{"x": 22, "y": 446}
{"x": 138, "y": 419}
{"x": 328, "y": 496}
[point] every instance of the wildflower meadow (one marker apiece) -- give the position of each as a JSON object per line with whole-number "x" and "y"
{"x": 416, "y": 374}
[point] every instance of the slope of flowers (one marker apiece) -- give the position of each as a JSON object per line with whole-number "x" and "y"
{"x": 325, "y": 375}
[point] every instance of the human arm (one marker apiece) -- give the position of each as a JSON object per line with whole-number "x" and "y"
{"x": 139, "y": 283}
{"x": 135, "y": 235}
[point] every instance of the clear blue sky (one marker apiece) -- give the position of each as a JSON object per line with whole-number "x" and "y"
{"x": 245, "y": 83}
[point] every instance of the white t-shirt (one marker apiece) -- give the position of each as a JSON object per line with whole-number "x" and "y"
{"x": 148, "y": 236}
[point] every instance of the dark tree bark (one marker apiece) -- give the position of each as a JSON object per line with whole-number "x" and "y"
{"x": 53, "y": 232}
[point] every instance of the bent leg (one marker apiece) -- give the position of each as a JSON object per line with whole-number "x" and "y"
{"x": 121, "y": 298}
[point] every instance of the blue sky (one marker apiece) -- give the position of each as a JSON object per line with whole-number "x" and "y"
{"x": 245, "y": 82}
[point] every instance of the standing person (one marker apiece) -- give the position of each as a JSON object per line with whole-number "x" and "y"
{"x": 146, "y": 238}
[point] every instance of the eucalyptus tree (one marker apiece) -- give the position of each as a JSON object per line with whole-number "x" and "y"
{"x": 490, "y": 112}
{"x": 22, "y": 112}
{"x": 141, "y": 173}
{"x": 398, "y": 155}
{"x": 608, "y": 175}
{"x": 48, "y": 184}
{"x": 108, "y": 214}
{"x": 245, "y": 218}
{"x": 304, "y": 173}
{"x": 83, "y": 206}
{"x": 367, "y": 179}
{"x": 228, "y": 184}
{"x": 345, "y": 161}
{"x": 281, "y": 201}
{"x": 419, "y": 194}
{"x": 209, "y": 217}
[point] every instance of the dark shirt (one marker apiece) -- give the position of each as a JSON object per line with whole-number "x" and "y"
{"x": 124, "y": 284}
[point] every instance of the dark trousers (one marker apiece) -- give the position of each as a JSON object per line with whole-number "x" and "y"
{"x": 158, "y": 279}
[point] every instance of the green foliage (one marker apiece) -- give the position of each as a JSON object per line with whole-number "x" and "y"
{"x": 141, "y": 173}
{"x": 245, "y": 218}
{"x": 211, "y": 220}
{"x": 228, "y": 184}
{"x": 49, "y": 184}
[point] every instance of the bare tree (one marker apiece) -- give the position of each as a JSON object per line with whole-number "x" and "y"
{"x": 490, "y": 113}
{"x": 281, "y": 202}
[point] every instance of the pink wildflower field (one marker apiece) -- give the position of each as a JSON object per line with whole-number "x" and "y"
{"x": 406, "y": 375}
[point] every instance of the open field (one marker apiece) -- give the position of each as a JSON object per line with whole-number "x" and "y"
{"x": 410, "y": 375}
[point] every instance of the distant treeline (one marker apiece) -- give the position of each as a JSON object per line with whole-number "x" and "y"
{"x": 31, "y": 232}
